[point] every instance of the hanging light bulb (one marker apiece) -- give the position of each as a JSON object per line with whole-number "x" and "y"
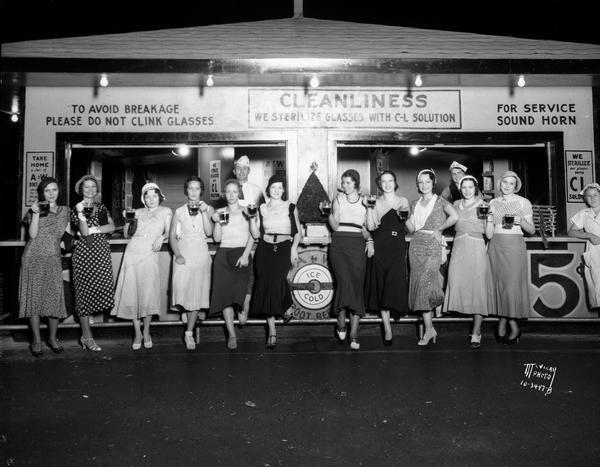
{"x": 314, "y": 81}
{"x": 103, "y": 80}
{"x": 182, "y": 150}
{"x": 414, "y": 151}
{"x": 210, "y": 81}
{"x": 418, "y": 81}
{"x": 14, "y": 118}
{"x": 521, "y": 82}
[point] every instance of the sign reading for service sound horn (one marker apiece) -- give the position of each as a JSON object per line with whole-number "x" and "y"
{"x": 373, "y": 108}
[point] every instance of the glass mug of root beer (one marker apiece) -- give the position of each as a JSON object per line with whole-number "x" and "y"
{"x": 325, "y": 207}
{"x": 193, "y": 208}
{"x": 44, "y": 208}
{"x": 252, "y": 210}
{"x": 403, "y": 213}
{"x": 223, "y": 216}
{"x": 483, "y": 210}
{"x": 371, "y": 200}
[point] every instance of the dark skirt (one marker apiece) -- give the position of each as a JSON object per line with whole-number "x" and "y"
{"x": 229, "y": 283}
{"x": 348, "y": 263}
{"x": 386, "y": 286}
{"x": 271, "y": 295}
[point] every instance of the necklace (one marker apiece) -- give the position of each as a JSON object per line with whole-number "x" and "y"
{"x": 352, "y": 202}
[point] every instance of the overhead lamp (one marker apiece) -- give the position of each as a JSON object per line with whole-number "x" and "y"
{"x": 103, "y": 80}
{"x": 181, "y": 150}
{"x": 210, "y": 81}
{"x": 14, "y": 118}
{"x": 521, "y": 81}
{"x": 415, "y": 150}
{"x": 14, "y": 115}
{"x": 314, "y": 81}
{"x": 418, "y": 81}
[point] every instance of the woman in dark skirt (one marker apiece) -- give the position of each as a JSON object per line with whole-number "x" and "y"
{"x": 347, "y": 255}
{"x": 230, "y": 265}
{"x": 276, "y": 253}
{"x": 41, "y": 293}
{"x": 386, "y": 286}
{"x": 92, "y": 265}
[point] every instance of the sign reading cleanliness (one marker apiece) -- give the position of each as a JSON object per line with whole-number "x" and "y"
{"x": 373, "y": 108}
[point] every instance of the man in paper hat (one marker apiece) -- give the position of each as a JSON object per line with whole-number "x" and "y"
{"x": 251, "y": 193}
{"x": 452, "y": 192}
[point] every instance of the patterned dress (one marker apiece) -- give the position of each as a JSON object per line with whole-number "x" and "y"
{"x": 588, "y": 221}
{"x": 191, "y": 281}
{"x": 425, "y": 291}
{"x": 386, "y": 282}
{"x": 138, "y": 289}
{"x": 469, "y": 288}
{"x": 41, "y": 290}
{"x": 92, "y": 266}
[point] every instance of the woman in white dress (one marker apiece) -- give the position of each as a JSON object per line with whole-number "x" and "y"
{"x": 190, "y": 227}
{"x": 586, "y": 225}
{"x": 137, "y": 295}
{"x": 469, "y": 289}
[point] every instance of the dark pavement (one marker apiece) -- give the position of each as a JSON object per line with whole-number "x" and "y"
{"x": 309, "y": 402}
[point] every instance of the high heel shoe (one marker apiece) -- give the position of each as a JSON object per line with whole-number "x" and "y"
{"x": 430, "y": 334}
{"x": 57, "y": 347}
{"x": 500, "y": 339}
{"x": 354, "y": 344}
{"x": 287, "y": 317}
{"x": 387, "y": 342}
{"x": 271, "y": 342}
{"x": 475, "y": 341}
{"x": 514, "y": 340}
{"x": 147, "y": 342}
{"x": 36, "y": 349}
{"x": 341, "y": 334}
{"x": 89, "y": 344}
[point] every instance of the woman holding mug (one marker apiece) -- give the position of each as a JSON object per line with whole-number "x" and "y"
{"x": 137, "y": 295}
{"x": 277, "y": 251}
{"x": 386, "y": 285}
{"x": 92, "y": 265}
{"x": 190, "y": 227}
{"x": 431, "y": 215}
{"x": 510, "y": 215}
{"x": 230, "y": 265}
{"x": 349, "y": 241}
{"x": 41, "y": 293}
{"x": 469, "y": 289}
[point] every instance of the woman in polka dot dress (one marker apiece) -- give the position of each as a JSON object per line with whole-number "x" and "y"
{"x": 92, "y": 265}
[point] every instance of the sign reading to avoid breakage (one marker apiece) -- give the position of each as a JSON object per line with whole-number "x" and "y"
{"x": 373, "y": 108}
{"x": 38, "y": 165}
{"x": 579, "y": 171}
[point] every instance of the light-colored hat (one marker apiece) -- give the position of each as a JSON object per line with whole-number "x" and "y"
{"x": 468, "y": 177}
{"x": 510, "y": 173}
{"x": 85, "y": 178}
{"x": 243, "y": 161}
{"x": 456, "y": 165}
{"x": 151, "y": 186}
{"x": 590, "y": 185}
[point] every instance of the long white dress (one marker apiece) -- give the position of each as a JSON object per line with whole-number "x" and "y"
{"x": 138, "y": 287}
{"x": 191, "y": 281}
{"x": 589, "y": 222}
